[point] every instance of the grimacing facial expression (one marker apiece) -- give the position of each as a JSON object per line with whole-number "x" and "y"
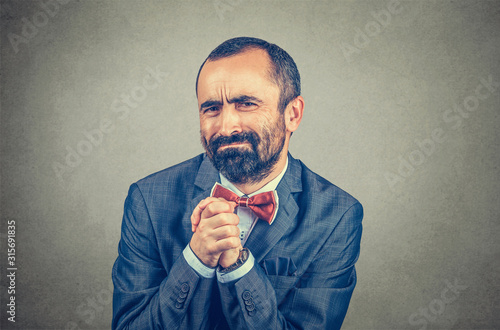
{"x": 241, "y": 128}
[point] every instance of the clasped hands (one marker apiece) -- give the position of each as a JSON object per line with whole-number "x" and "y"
{"x": 216, "y": 238}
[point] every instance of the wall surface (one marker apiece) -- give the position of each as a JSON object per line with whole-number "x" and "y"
{"x": 402, "y": 111}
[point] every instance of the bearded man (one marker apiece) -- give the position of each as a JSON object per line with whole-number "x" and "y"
{"x": 242, "y": 236}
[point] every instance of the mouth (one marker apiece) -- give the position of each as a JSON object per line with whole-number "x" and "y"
{"x": 234, "y": 145}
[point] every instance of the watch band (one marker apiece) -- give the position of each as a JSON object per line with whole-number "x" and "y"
{"x": 244, "y": 253}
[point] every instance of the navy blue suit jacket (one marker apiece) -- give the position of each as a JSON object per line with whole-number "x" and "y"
{"x": 303, "y": 276}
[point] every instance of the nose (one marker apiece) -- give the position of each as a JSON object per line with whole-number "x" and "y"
{"x": 229, "y": 121}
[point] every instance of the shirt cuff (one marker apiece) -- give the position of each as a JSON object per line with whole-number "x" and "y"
{"x": 237, "y": 273}
{"x": 196, "y": 263}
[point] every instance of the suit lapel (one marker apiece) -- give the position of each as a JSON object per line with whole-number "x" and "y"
{"x": 205, "y": 179}
{"x": 264, "y": 236}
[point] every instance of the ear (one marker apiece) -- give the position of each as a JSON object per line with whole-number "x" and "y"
{"x": 293, "y": 113}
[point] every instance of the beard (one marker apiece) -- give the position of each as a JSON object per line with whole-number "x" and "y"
{"x": 243, "y": 165}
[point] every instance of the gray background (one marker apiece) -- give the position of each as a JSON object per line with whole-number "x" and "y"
{"x": 370, "y": 111}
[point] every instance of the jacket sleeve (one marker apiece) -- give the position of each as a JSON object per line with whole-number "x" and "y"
{"x": 317, "y": 300}
{"x": 146, "y": 295}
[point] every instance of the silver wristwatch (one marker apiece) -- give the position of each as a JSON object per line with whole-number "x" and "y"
{"x": 244, "y": 253}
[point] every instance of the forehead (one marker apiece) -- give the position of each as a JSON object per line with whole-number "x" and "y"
{"x": 248, "y": 72}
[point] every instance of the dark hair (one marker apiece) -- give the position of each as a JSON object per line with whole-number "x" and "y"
{"x": 284, "y": 71}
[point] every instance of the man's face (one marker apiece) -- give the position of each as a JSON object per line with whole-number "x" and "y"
{"x": 242, "y": 130}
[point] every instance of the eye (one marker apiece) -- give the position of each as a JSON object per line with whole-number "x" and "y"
{"x": 247, "y": 106}
{"x": 211, "y": 109}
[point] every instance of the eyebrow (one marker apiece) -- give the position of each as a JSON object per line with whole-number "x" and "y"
{"x": 209, "y": 104}
{"x": 236, "y": 99}
{"x": 243, "y": 99}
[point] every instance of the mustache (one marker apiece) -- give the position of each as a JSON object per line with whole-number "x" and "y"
{"x": 219, "y": 141}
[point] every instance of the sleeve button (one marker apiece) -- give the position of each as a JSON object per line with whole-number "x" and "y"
{"x": 246, "y": 295}
{"x": 185, "y": 287}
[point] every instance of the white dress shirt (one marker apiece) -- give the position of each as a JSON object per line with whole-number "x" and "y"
{"x": 247, "y": 221}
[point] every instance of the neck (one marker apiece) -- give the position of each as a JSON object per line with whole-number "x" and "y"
{"x": 248, "y": 188}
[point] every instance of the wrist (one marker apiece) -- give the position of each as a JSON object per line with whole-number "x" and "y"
{"x": 208, "y": 264}
{"x": 242, "y": 258}
{"x": 238, "y": 273}
{"x": 195, "y": 263}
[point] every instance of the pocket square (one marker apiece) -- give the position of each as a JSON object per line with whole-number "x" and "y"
{"x": 280, "y": 266}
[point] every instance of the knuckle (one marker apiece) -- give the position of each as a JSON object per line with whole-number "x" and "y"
{"x": 209, "y": 207}
{"x": 226, "y": 231}
{"x": 226, "y": 244}
{"x": 230, "y": 218}
{"x": 233, "y": 231}
{"x": 234, "y": 242}
{"x": 213, "y": 207}
{"x": 235, "y": 219}
{"x": 224, "y": 218}
{"x": 221, "y": 199}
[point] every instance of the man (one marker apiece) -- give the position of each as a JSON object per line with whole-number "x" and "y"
{"x": 243, "y": 236}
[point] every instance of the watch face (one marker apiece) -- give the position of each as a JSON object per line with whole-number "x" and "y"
{"x": 243, "y": 255}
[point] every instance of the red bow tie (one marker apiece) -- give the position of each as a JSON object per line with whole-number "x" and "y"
{"x": 264, "y": 205}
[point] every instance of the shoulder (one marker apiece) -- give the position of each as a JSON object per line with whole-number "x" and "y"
{"x": 325, "y": 197}
{"x": 318, "y": 185}
{"x": 185, "y": 170}
{"x": 171, "y": 178}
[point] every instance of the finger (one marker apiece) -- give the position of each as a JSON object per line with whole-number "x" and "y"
{"x": 217, "y": 207}
{"x": 224, "y": 232}
{"x": 233, "y": 205}
{"x": 196, "y": 215}
{"x": 207, "y": 225}
{"x": 228, "y": 243}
